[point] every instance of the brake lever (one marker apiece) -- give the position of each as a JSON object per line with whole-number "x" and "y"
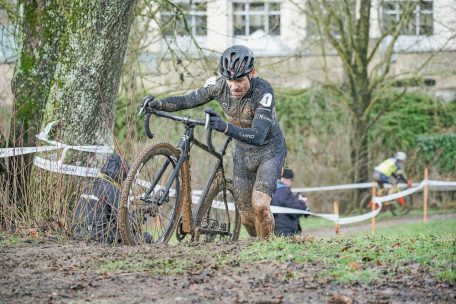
{"x": 141, "y": 110}
{"x": 206, "y": 125}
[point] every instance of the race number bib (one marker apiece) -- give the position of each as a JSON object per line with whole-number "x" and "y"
{"x": 266, "y": 100}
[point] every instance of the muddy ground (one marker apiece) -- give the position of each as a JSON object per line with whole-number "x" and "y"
{"x": 50, "y": 271}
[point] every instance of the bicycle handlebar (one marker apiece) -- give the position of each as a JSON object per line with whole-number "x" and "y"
{"x": 185, "y": 120}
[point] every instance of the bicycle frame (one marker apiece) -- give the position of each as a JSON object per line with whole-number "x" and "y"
{"x": 395, "y": 189}
{"x": 182, "y": 164}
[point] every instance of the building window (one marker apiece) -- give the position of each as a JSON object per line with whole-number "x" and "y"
{"x": 185, "y": 19}
{"x": 250, "y": 18}
{"x": 421, "y": 21}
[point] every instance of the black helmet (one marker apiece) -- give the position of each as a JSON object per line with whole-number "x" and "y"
{"x": 236, "y": 62}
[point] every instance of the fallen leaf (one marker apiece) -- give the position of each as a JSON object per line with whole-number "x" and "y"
{"x": 396, "y": 245}
{"x": 33, "y": 232}
{"x": 355, "y": 266}
{"x": 341, "y": 299}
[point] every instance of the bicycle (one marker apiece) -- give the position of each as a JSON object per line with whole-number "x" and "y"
{"x": 157, "y": 197}
{"x": 399, "y": 206}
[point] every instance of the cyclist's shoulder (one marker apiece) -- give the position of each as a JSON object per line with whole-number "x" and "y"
{"x": 261, "y": 85}
{"x": 262, "y": 93}
{"x": 214, "y": 82}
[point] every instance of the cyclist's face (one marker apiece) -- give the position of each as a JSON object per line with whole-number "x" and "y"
{"x": 241, "y": 86}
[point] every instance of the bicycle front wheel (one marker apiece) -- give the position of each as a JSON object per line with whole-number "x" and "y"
{"x": 366, "y": 202}
{"x": 216, "y": 219}
{"x": 151, "y": 202}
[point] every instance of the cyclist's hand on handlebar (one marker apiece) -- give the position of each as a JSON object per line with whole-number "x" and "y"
{"x": 151, "y": 103}
{"x": 215, "y": 121}
{"x": 409, "y": 183}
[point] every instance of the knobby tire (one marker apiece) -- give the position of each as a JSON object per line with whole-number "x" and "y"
{"x": 144, "y": 220}
{"x": 208, "y": 217}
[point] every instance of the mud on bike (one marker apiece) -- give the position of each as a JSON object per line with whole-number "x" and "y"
{"x": 157, "y": 196}
{"x": 399, "y": 206}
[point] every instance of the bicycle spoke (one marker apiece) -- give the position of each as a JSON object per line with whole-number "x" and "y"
{"x": 153, "y": 208}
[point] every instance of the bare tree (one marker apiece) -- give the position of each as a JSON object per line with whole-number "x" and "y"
{"x": 344, "y": 28}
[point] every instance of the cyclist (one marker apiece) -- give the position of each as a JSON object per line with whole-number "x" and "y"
{"x": 390, "y": 171}
{"x": 249, "y": 106}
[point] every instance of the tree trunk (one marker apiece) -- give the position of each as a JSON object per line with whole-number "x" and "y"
{"x": 80, "y": 93}
{"x": 40, "y": 28}
{"x": 83, "y": 95}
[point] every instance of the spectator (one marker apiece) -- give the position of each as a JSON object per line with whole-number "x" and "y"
{"x": 287, "y": 224}
{"x": 96, "y": 211}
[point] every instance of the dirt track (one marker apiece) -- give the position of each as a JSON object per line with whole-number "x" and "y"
{"x": 49, "y": 272}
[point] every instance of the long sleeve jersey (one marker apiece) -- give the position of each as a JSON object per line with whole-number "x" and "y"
{"x": 252, "y": 118}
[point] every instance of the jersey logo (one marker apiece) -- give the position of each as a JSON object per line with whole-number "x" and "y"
{"x": 266, "y": 100}
{"x": 210, "y": 82}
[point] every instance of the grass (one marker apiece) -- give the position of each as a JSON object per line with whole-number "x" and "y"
{"x": 363, "y": 258}
{"x": 13, "y": 239}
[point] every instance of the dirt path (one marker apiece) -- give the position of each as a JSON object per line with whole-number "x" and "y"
{"x": 51, "y": 272}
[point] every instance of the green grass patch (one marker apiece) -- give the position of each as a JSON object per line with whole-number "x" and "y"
{"x": 363, "y": 258}
{"x": 13, "y": 239}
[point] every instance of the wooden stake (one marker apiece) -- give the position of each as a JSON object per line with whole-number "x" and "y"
{"x": 373, "y": 205}
{"x": 425, "y": 195}
{"x": 336, "y": 212}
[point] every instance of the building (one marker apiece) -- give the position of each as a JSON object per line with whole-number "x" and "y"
{"x": 279, "y": 33}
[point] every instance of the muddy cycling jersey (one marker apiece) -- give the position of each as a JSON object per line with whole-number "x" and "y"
{"x": 252, "y": 118}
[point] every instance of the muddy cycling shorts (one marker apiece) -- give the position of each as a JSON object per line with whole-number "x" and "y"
{"x": 256, "y": 170}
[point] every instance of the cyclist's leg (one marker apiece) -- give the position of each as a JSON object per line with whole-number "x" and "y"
{"x": 243, "y": 181}
{"x": 264, "y": 220}
{"x": 380, "y": 179}
{"x": 265, "y": 185}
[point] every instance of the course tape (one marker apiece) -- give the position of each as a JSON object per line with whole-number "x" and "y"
{"x": 352, "y": 219}
{"x": 60, "y": 167}
{"x": 57, "y": 166}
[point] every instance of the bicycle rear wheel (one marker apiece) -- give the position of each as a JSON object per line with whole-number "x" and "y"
{"x": 147, "y": 212}
{"x": 216, "y": 220}
{"x": 402, "y": 206}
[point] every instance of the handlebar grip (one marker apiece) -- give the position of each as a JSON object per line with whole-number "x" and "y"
{"x": 209, "y": 139}
{"x": 146, "y": 125}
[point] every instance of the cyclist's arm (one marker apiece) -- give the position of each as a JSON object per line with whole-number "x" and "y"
{"x": 196, "y": 98}
{"x": 399, "y": 174}
{"x": 261, "y": 123}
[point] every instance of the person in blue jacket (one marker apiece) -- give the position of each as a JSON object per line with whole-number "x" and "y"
{"x": 287, "y": 224}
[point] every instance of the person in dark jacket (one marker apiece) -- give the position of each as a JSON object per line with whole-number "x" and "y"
{"x": 287, "y": 224}
{"x": 96, "y": 212}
